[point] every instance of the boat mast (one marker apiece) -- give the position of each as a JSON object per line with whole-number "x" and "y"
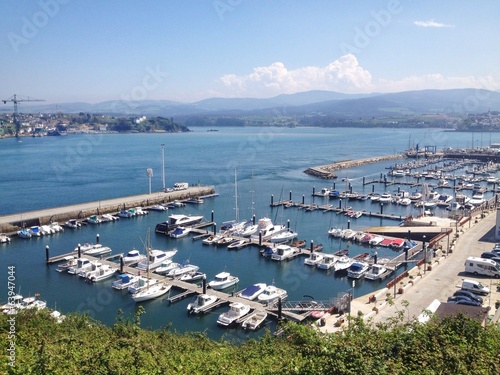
{"x": 163, "y": 164}
{"x": 236, "y": 197}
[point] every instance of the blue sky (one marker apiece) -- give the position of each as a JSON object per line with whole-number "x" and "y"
{"x": 92, "y": 51}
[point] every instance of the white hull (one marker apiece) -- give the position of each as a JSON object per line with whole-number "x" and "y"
{"x": 151, "y": 292}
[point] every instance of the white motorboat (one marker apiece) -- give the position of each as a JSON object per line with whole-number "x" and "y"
{"x": 223, "y": 280}
{"x": 284, "y": 252}
{"x": 237, "y": 244}
{"x": 33, "y": 303}
{"x": 141, "y": 283}
{"x": 193, "y": 276}
{"x": 97, "y": 250}
{"x": 477, "y": 199}
{"x": 254, "y": 320}
{"x": 223, "y": 241}
{"x": 284, "y": 236}
{"x": 133, "y": 257}
{"x": 212, "y": 239}
{"x": 405, "y": 201}
{"x": 444, "y": 200}
{"x": 201, "y": 303}
{"x": 108, "y": 217}
{"x": 375, "y": 241}
{"x": 180, "y": 232}
{"x": 94, "y": 265}
{"x": 126, "y": 213}
{"x": 72, "y": 223}
{"x": 385, "y": 198}
{"x": 177, "y": 220}
{"x": 415, "y": 196}
{"x": 35, "y": 231}
{"x": 158, "y": 207}
{"x": 375, "y": 272}
{"x": 70, "y": 261}
{"x": 183, "y": 268}
{"x": 237, "y": 310}
{"x": 252, "y": 292}
{"x": 94, "y": 219}
{"x": 14, "y": 303}
{"x": 343, "y": 263}
{"x": 46, "y": 229}
{"x": 328, "y": 261}
{"x": 335, "y": 232}
{"x": 151, "y": 291}
{"x": 102, "y": 273}
{"x": 82, "y": 264}
{"x": 348, "y": 234}
{"x": 266, "y": 229}
{"x": 85, "y": 247}
{"x": 314, "y": 259}
{"x": 56, "y": 227}
{"x": 155, "y": 259}
{"x": 166, "y": 266}
{"x": 248, "y": 230}
{"x": 357, "y": 270}
{"x": 124, "y": 281}
{"x": 271, "y": 294}
{"x": 24, "y": 233}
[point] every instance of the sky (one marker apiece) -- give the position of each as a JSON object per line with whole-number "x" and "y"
{"x": 65, "y": 51}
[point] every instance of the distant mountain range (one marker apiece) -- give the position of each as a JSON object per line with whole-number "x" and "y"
{"x": 300, "y": 104}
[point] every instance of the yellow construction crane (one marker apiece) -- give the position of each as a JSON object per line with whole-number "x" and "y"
{"x": 16, "y": 100}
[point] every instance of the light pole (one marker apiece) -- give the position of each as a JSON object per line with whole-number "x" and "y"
{"x": 149, "y": 173}
{"x": 351, "y": 297}
{"x": 424, "y": 249}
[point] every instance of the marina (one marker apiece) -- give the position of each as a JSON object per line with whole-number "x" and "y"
{"x": 101, "y": 301}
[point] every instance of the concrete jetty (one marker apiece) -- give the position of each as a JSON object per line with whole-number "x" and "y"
{"x": 10, "y": 224}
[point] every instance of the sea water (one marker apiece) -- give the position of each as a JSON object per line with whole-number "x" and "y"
{"x": 247, "y": 167}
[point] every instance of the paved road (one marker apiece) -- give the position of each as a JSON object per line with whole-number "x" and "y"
{"x": 439, "y": 283}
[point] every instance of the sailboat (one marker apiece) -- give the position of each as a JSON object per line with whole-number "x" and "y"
{"x": 153, "y": 290}
{"x": 244, "y": 228}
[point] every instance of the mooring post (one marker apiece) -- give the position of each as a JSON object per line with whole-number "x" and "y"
{"x": 272, "y": 199}
{"x": 290, "y": 196}
{"x": 314, "y": 188}
{"x": 279, "y": 309}
{"x": 303, "y": 199}
{"x": 260, "y": 238}
{"x": 288, "y": 224}
{"x": 215, "y": 229}
{"x": 312, "y": 248}
{"x": 97, "y": 238}
{"x": 381, "y": 208}
{"x": 212, "y": 216}
{"x": 47, "y": 254}
{"x": 79, "y": 251}
{"x": 122, "y": 263}
{"x": 204, "y": 284}
{"x": 348, "y": 224}
{"x": 253, "y": 219}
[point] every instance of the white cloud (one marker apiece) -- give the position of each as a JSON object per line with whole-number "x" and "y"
{"x": 431, "y": 23}
{"x": 343, "y": 75}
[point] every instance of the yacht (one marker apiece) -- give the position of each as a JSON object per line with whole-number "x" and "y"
{"x": 327, "y": 262}
{"x": 133, "y": 257}
{"x": 357, "y": 270}
{"x": 254, "y": 320}
{"x": 237, "y": 244}
{"x": 223, "y": 280}
{"x": 313, "y": 259}
{"x": 237, "y": 310}
{"x": 82, "y": 264}
{"x": 477, "y": 199}
{"x": 444, "y": 200}
{"x": 181, "y": 269}
{"x": 177, "y": 220}
{"x": 155, "y": 259}
{"x": 193, "y": 276}
{"x": 271, "y": 294}
{"x": 375, "y": 272}
{"x": 166, "y": 266}
{"x": 342, "y": 263}
{"x": 124, "y": 281}
{"x": 284, "y": 236}
{"x": 284, "y": 252}
{"x": 70, "y": 261}
{"x": 252, "y": 292}
{"x": 266, "y": 229}
{"x": 102, "y": 273}
{"x": 180, "y": 232}
{"x": 201, "y": 303}
{"x": 97, "y": 250}
{"x": 151, "y": 291}
{"x": 72, "y": 223}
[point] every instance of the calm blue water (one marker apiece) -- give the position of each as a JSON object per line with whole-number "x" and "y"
{"x": 55, "y": 171}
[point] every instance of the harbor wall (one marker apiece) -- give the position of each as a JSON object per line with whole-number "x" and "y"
{"x": 326, "y": 171}
{"x": 12, "y": 223}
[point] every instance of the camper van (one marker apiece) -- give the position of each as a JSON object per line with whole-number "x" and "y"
{"x": 482, "y": 266}
{"x": 181, "y": 186}
{"x": 475, "y": 287}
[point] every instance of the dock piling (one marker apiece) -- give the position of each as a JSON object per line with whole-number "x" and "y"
{"x": 47, "y": 254}
{"x": 204, "y": 284}
{"x": 290, "y": 196}
{"x": 79, "y": 251}
{"x": 97, "y": 238}
{"x": 122, "y": 263}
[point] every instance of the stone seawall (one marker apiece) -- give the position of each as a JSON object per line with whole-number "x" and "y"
{"x": 326, "y": 171}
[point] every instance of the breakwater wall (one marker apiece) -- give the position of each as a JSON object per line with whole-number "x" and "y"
{"x": 12, "y": 223}
{"x": 326, "y": 171}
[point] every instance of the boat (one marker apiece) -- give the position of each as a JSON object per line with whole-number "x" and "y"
{"x": 237, "y": 310}
{"x": 33, "y": 303}
{"x": 376, "y": 240}
{"x": 108, "y": 217}
{"x": 252, "y": 292}
{"x": 385, "y": 198}
{"x": 177, "y": 220}
{"x": 237, "y": 244}
{"x": 271, "y": 294}
{"x": 201, "y": 303}
{"x": 72, "y": 223}
{"x": 94, "y": 265}
{"x": 223, "y": 280}
{"x": 477, "y": 199}
{"x": 247, "y": 230}
{"x": 98, "y": 249}
{"x": 193, "y": 276}
{"x": 210, "y": 240}
{"x": 181, "y": 269}
{"x": 266, "y": 229}
{"x": 254, "y": 320}
{"x": 102, "y": 273}
{"x": 14, "y": 303}
{"x": 268, "y": 251}
{"x": 133, "y": 257}
{"x": 124, "y": 281}
{"x": 180, "y": 232}
{"x": 357, "y": 270}
{"x": 342, "y": 263}
{"x": 82, "y": 264}
{"x": 284, "y": 236}
{"x": 405, "y": 201}
{"x": 328, "y": 261}
{"x": 158, "y": 207}
{"x": 223, "y": 241}
{"x": 444, "y": 200}
{"x": 126, "y": 213}
{"x": 151, "y": 291}
{"x": 155, "y": 259}
{"x": 70, "y": 261}
{"x": 284, "y": 252}
{"x": 314, "y": 259}
{"x": 46, "y": 229}
{"x": 415, "y": 196}
{"x": 335, "y": 232}
{"x": 35, "y": 231}
{"x": 375, "y": 272}
{"x": 94, "y": 219}
{"x": 298, "y": 243}
{"x": 325, "y": 192}
{"x": 166, "y": 266}
{"x": 141, "y": 283}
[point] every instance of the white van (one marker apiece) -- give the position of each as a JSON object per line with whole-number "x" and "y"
{"x": 475, "y": 287}
{"x": 482, "y": 266}
{"x": 181, "y": 186}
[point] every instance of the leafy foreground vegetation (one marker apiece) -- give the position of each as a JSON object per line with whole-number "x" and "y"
{"x": 80, "y": 345}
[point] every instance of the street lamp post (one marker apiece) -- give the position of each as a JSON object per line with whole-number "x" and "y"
{"x": 424, "y": 249}
{"x": 351, "y": 297}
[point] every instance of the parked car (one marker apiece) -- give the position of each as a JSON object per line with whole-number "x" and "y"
{"x": 489, "y": 255}
{"x": 470, "y": 295}
{"x": 466, "y": 301}
{"x": 475, "y": 287}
